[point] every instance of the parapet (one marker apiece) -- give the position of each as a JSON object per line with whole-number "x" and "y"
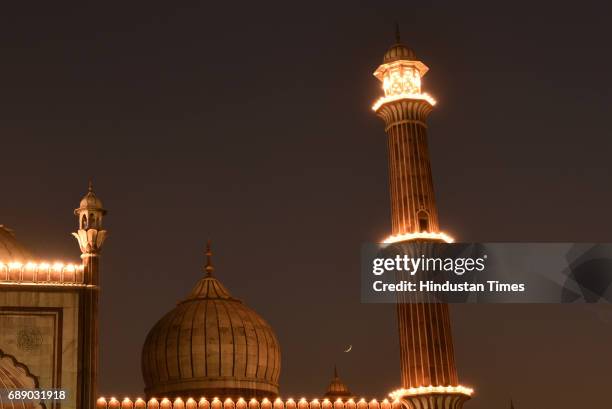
{"x": 241, "y": 403}
{"x": 43, "y": 274}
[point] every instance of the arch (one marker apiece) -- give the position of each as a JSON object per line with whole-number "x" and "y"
{"x": 16, "y": 375}
{"x": 423, "y": 221}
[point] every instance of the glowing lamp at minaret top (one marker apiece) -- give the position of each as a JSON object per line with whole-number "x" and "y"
{"x": 400, "y": 74}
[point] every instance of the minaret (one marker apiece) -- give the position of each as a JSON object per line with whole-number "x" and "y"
{"x": 429, "y": 375}
{"x": 90, "y": 236}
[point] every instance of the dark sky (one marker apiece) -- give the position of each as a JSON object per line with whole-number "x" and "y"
{"x": 250, "y": 124}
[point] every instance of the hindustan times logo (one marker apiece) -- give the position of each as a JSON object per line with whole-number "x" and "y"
{"x": 411, "y": 265}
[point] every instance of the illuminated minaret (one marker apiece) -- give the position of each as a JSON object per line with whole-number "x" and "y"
{"x": 90, "y": 236}
{"x": 429, "y": 375}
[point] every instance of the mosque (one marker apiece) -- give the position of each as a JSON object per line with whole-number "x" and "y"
{"x": 212, "y": 351}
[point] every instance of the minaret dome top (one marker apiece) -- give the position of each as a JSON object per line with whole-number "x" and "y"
{"x": 398, "y": 51}
{"x": 90, "y": 201}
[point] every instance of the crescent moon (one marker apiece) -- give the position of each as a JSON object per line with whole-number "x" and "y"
{"x": 349, "y": 348}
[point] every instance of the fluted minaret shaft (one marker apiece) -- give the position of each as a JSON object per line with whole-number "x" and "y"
{"x": 413, "y": 205}
{"x": 426, "y": 345}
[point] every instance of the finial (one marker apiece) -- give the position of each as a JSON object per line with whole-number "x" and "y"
{"x": 209, "y": 267}
{"x": 511, "y": 404}
{"x": 397, "y": 33}
{"x": 335, "y": 371}
{"x": 90, "y": 186}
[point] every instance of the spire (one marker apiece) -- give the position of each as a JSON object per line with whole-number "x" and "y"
{"x": 397, "y": 33}
{"x": 90, "y": 186}
{"x": 337, "y": 389}
{"x": 209, "y": 267}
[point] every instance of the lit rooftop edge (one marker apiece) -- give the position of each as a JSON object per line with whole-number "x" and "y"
{"x": 215, "y": 403}
{"x": 303, "y": 403}
{"x": 56, "y": 273}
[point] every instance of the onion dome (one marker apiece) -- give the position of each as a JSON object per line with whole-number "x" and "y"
{"x": 90, "y": 201}
{"x": 211, "y": 345}
{"x": 10, "y": 248}
{"x": 398, "y": 51}
{"x": 337, "y": 389}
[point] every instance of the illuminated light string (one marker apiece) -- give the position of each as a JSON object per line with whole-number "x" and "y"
{"x": 189, "y": 403}
{"x": 383, "y": 100}
{"x": 32, "y": 266}
{"x": 419, "y": 235}
{"x": 43, "y": 272}
{"x": 423, "y": 390}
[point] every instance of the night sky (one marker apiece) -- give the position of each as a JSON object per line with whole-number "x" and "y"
{"x": 250, "y": 124}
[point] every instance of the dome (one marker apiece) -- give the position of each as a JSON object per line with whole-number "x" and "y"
{"x": 337, "y": 389}
{"x": 398, "y": 52}
{"x": 211, "y": 345}
{"x": 91, "y": 201}
{"x": 10, "y": 248}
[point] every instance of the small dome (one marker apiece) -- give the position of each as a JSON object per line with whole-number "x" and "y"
{"x": 337, "y": 389}
{"x": 399, "y": 52}
{"x": 91, "y": 201}
{"x": 10, "y": 248}
{"x": 211, "y": 345}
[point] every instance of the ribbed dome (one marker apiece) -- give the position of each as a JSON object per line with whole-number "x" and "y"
{"x": 90, "y": 200}
{"x": 211, "y": 345}
{"x": 337, "y": 388}
{"x": 399, "y": 52}
{"x": 10, "y": 248}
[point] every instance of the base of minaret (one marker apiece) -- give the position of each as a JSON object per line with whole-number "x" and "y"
{"x": 435, "y": 401}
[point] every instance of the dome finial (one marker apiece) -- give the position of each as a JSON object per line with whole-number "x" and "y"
{"x": 335, "y": 371}
{"x": 209, "y": 267}
{"x": 90, "y": 186}
{"x": 397, "y": 33}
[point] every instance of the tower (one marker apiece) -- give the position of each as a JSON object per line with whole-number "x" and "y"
{"x": 90, "y": 236}
{"x": 428, "y": 372}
